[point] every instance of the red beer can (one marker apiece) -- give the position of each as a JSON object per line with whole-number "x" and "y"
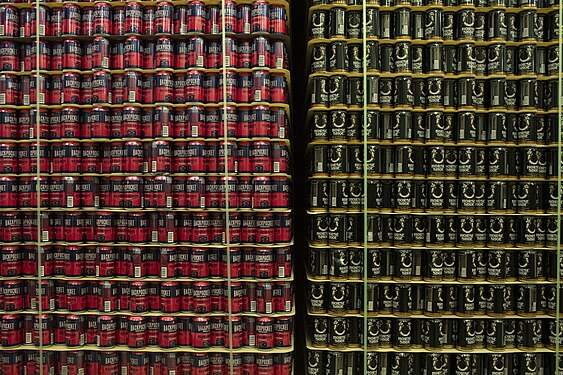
{"x": 71, "y": 24}
{"x": 164, "y": 15}
{"x": 137, "y": 332}
{"x": 163, "y": 87}
{"x": 9, "y": 20}
{"x": 197, "y": 160}
{"x": 201, "y": 332}
{"x": 243, "y": 19}
{"x": 264, "y": 228}
{"x": 168, "y": 329}
{"x": 261, "y": 53}
{"x": 149, "y": 17}
{"x": 13, "y": 293}
{"x": 138, "y": 225}
{"x": 198, "y": 262}
{"x": 101, "y": 87}
{"x": 278, "y": 122}
{"x": 196, "y": 17}
{"x": 133, "y": 53}
{"x": 66, "y": 157}
{"x": 198, "y": 53}
{"x": 278, "y": 56}
{"x": 132, "y": 161}
{"x": 70, "y": 88}
{"x": 132, "y": 87}
{"x": 75, "y": 261}
{"x": 105, "y": 261}
{"x": 278, "y": 20}
{"x": 11, "y": 331}
{"x": 280, "y": 157}
{"x": 9, "y": 89}
{"x": 8, "y": 192}
{"x": 89, "y": 195}
{"x": 118, "y": 94}
{"x": 46, "y": 335}
{"x": 106, "y": 335}
{"x": 138, "y": 302}
{"x": 179, "y": 91}
{"x": 102, "y": 18}
{"x": 260, "y": 17}
{"x": 278, "y": 88}
{"x": 11, "y": 261}
{"x": 262, "y": 197}
{"x": 265, "y": 338}
{"x": 164, "y": 51}
{"x": 9, "y": 57}
{"x": 230, "y": 17}
{"x": 90, "y": 158}
{"x": 99, "y": 123}
{"x": 72, "y": 54}
{"x": 180, "y": 157}
{"x": 133, "y": 18}
{"x": 244, "y": 88}
{"x": 118, "y": 21}
{"x": 200, "y": 231}
{"x": 195, "y": 83}
{"x": 105, "y": 231}
{"x": 169, "y": 297}
{"x": 213, "y": 20}
{"x": 74, "y": 331}
{"x": 108, "y": 363}
{"x": 69, "y": 125}
{"x": 260, "y": 86}
{"x": 131, "y": 122}
{"x": 261, "y": 157}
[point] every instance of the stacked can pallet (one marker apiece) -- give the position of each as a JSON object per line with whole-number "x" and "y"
{"x": 460, "y": 118}
{"x": 162, "y": 188}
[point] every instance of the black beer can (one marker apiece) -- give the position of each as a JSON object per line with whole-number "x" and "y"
{"x": 318, "y": 262}
{"x": 479, "y": 32}
{"x": 354, "y": 92}
{"x": 338, "y": 57}
{"x": 319, "y": 229}
{"x": 318, "y": 196}
{"x": 496, "y": 59}
{"x": 496, "y": 25}
{"x": 402, "y": 23}
{"x": 319, "y": 24}
{"x": 337, "y": 23}
{"x": 385, "y": 25}
{"x": 434, "y": 58}
{"x": 511, "y": 64}
{"x": 434, "y": 92}
{"x": 542, "y": 59}
{"x": 320, "y": 331}
{"x": 527, "y": 26}
{"x": 402, "y": 57}
{"x": 319, "y": 160}
{"x": 417, "y": 59}
{"x": 526, "y": 59}
{"x": 320, "y": 126}
{"x": 433, "y": 24}
{"x": 511, "y": 27}
{"x": 354, "y": 22}
{"x": 338, "y": 125}
{"x": 465, "y": 24}
{"x": 319, "y": 58}
{"x": 417, "y": 25}
{"x": 466, "y": 58}
{"x": 337, "y": 158}
{"x": 480, "y": 60}
{"x": 320, "y": 92}
{"x": 386, "y": 92}
{"x": 528, "y": 93}
{"x": 449, "y": 59}
{"x": 448, "y": 25}
{"x": 372, "y": 57}
{"x": 337, "y": 86}
{"x": 373, "y": 23}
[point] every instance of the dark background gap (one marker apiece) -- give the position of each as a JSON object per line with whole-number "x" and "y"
{"x": 299, "y": 75}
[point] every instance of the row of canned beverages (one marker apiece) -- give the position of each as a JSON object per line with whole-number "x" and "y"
{"x": 433, "y": 300}
{"x": 248, "y": 228}
{"x": 136, "y": 53}
{"x": 150, "y": 157}
{"x": 434, "y": 58}
{"x": 135, "y": 363}
{"x": 134, "y": 18}
{"x": 435, "y": 23}
{"x": 135, "y": 262}
{"x": 137, "y": 332}
{"x": 100, "y": 122}
{"x": 435, "y": 126}
{"x": 432, "y": 334}
{"x": 147, "y": 192}
{"x": 433, "y": 230}
{"x": 134, "y": 87}
{"x": 465, "y": 93}
{"x": 434, "y": 196}
{"x": 434, "y": 161}
{"x": 350, "y": 363}
{"x": 434, "y": 265}
{"x": 440, "y": 3}
{"x": 165, "y": 297}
